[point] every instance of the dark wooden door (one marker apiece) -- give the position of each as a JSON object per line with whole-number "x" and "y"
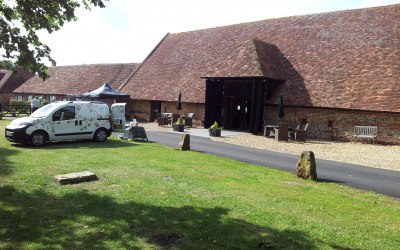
{"x": 155, "y": 110}
{"x": 213, "y": 105}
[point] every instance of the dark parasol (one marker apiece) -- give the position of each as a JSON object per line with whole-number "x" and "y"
{"x": 281, "y": 111}
{"x": 178, "y": 103}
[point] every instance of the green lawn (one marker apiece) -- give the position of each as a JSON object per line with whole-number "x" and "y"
{"x": 150, "y": 196}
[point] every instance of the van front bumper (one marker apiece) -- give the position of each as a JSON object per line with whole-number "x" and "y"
{"x": 17, "y": 135}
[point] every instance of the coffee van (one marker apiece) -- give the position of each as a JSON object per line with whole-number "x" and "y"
{"x": 68, "y": 120}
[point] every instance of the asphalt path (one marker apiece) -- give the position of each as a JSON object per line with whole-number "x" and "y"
{"x": 372, "y": 179}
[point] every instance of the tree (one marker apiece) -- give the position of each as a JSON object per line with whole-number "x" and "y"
{"x": 21, "y": 19}
{"x": 6, "y": 64}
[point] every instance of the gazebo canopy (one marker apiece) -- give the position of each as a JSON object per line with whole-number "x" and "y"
{"x": 105, "y": 91}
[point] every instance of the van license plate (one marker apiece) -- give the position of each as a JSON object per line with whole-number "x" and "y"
{"x": 8, "y": 133}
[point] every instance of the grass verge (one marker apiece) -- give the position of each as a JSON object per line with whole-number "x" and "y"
{"x": 151, "y": 196}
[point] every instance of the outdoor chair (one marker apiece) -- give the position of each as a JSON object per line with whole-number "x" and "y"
{"x": 269, "y": 127}
{"x": 292, "y": 131}
{"x": 269, "y": 130}
{"x": 189, "y": 120}
{"x": 300, "y": 133}
{"x": 162, "y": 120}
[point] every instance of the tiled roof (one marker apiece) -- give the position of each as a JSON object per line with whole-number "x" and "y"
{"x": 78, "y": 79}
{"x": 10, "y": 81}
{"x": 4, "y": 77}
{"x": 347, "y": 59}
{"x": 253, "y": 58}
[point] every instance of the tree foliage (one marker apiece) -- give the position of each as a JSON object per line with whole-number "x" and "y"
{"x": 21, "y": 19}
{"x": 7, "y": 64}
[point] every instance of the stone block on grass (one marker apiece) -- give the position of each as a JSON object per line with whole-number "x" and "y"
{"x": 73, "y": 178}
{"x": 306, "y": 167}
{"x": 184, "y": 144}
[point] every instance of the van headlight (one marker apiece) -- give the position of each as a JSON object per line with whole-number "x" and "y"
{"x": 24, "y": 125}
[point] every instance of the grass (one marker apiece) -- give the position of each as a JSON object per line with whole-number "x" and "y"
{"x": 150, "y": 196}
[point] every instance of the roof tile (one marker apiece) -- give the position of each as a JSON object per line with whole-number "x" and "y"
{"x": 78, "y": 79}
{"x": 328, "y": 60}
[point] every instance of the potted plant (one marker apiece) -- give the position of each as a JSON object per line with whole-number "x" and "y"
{"x": 214, "y": 130}
{"x": 178, "y": 125}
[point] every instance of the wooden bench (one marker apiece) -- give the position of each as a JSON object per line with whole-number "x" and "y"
{"x": 366, "y": 132}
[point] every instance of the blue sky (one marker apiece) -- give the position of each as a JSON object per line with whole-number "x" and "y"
{"x": 127, "y": 30}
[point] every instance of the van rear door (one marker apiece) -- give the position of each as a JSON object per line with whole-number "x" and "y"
{"x": 118, "y": 117}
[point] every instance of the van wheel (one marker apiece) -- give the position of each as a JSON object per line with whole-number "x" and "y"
{"x": 100, "y": 135}
{"x": 38, "y": 138}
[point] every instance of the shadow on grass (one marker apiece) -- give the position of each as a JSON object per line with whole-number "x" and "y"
{"x": 330, "y": 181}
{"x": 143, "y": 141}
{"x": 5, "y": 165}
{"x": 113, "y": 143}
{"x": 87, "y": 221}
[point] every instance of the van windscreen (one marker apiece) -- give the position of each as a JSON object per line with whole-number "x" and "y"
{"x": 44, "y": 111}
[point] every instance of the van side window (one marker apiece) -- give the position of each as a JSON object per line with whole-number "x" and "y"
{"x": 65, "y": 113}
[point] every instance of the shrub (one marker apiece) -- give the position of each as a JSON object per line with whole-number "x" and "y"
{"x": 23, "y": 107}
{"x": 215, "y": 126}
{"x": 20, "y": 103}
{"x": 43, "y": 102}
{"x": 214, "y": 130}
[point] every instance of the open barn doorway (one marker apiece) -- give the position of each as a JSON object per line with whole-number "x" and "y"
{"x": 235, "y": 103}
{"x": 237, "y": 106}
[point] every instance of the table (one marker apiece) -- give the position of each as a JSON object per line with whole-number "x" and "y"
{"x": 282, "y": 132}
{"x": 272, "y": 131}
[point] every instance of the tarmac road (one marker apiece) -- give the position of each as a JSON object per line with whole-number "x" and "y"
{"x": 372, "y": 179}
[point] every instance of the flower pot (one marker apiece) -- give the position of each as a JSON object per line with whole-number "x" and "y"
{"x": 179, "y": 127}
{"x": 215, "y": 132}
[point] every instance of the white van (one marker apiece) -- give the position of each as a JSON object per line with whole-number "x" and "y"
{"x": 60, "y": 121}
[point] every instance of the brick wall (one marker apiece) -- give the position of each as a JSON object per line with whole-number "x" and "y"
{"x": 5, "y": 98}
{"x": 339, "y": 124}
{"x": 196, "y": 108}
{"x": 142, "y": 109}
